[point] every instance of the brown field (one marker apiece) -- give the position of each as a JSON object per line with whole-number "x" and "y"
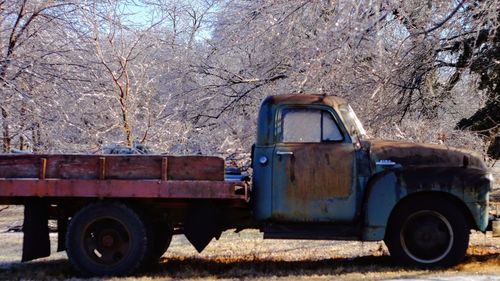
{"x": 247, "y": 256}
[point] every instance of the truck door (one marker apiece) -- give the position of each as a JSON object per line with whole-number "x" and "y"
{"x": 312, "y": 167}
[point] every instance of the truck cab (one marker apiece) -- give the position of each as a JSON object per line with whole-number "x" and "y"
{"x": 317, "y": 176}
{"x": 305, "y": 160}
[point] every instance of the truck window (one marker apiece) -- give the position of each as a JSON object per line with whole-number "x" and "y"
{"x": 352, "y": 122}
{"x": 308, "y": 125}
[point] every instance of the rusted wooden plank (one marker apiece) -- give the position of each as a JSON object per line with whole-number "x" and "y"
{"x": 20, "y": 166}
{"x": 164, "y": 169}
{"x": 134, "y": 167}
{"x": 120, "y": 189}
{"x": 102, "y": 168}
{"x": 58, "y": 166}
{"x": 195, "y": 167}
{"x": 43, "y": 168}
{"x": 73, "y": 166}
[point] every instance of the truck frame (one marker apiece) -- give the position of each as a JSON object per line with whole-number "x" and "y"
{"x": 315, "y": 176}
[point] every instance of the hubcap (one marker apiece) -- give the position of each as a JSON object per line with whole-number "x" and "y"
{"x": 106, "y": 241}
{"x": 427, "y": 236}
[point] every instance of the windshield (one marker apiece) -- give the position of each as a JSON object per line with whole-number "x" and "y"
{"x": 351, "y": 121}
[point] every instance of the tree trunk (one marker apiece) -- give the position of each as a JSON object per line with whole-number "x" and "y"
{"x": 126, "y": 123}
{"x": 5, "y": 131}
{"x": 36, "y": 136}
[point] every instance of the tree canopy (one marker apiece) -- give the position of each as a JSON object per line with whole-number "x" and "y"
{"x": 188, "y": 76}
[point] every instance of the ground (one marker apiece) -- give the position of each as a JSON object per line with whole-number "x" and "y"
{"x": 246, "y": 255}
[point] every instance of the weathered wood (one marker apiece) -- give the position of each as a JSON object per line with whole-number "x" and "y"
{"x": 21, "y": 166}
{"x": 164, "y": 169}
{"x": 195, "y": 167}
{"x": 133, "y": 166}
{"x": 43, "y": 168}
{"x": 102, "y": 168}
{"x": 73, "y": 166}
{"x": 173, "y": 189}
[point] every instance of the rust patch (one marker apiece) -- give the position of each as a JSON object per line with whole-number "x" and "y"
{"x": 319, "y": 171}
{"x": 306, "y": 99}
{"x": 444, "y": 178}
{"x": 413, "y": 154}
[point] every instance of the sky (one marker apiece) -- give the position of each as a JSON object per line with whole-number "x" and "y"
{"x": 143, "y": 15}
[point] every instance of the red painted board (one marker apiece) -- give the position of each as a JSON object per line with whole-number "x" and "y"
{"x": 121, "y": 189}
{"x": 81, "y": 166}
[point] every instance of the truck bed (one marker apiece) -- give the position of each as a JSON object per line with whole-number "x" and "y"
{"x": 121, "y": 176}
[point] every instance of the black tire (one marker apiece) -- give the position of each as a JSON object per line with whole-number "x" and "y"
{"x": 428, "y": 233}
{"x": 163, "y": 238}
{"x": 159, "y": 238}
{"x": 105, "y": 239}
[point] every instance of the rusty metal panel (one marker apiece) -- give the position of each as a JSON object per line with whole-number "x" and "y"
{"x": 320, "y": 171}
{"x": 413, "y": 154}
{"x": 304, "y": 99}
{"x": 123, "y": 189}
{"x": 75, "y": 166}
{"x": 309, "y": 184}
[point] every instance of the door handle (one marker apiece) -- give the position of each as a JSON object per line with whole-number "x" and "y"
{"x": 284, "y": 153}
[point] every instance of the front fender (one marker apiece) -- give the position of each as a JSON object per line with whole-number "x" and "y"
{"x": 385, "y": 190}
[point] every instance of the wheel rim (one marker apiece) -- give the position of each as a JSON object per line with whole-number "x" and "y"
{"x": 106, "y": 241}
{"x": 427, "y": 237}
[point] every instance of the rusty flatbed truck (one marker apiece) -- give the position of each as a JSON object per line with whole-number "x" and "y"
{"x": 315, "y": 176}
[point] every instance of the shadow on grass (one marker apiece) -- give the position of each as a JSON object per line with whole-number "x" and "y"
{"x": 177, "y": 268}
{"x": 232, "y": 268}
{"x": 37, "y": 270}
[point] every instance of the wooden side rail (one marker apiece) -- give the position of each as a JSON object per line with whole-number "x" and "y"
{"x": 123, "y": 189}
{"x": 104, "y": 167}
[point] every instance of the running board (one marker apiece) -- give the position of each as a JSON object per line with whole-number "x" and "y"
{"x": 312, "y": 231}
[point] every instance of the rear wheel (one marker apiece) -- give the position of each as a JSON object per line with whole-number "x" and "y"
{"x": 159, "y": 238}
{"x": 163, "y": 237}
{"x": 428, "y": 233}
{"x": 106, "y": 239}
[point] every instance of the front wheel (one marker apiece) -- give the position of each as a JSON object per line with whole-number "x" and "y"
{"x": 428, "y": 233}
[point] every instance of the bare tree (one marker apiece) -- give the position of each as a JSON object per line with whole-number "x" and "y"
{"x": 188, "y": 76}
{"x": 122, "y": 49}
{"x": 27, "y": 30}
{"x": 400, "y": 64}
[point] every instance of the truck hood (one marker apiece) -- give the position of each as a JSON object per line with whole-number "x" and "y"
{"x": 421, "y": 155}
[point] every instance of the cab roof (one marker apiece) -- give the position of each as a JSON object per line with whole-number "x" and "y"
{"x": 304, "y": 99}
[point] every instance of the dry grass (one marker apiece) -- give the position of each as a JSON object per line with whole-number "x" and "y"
{"x": 247, "y": 256}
